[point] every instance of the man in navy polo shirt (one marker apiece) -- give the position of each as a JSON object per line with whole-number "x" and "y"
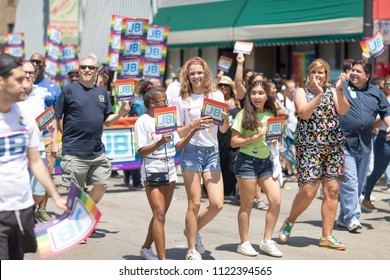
{"x": 84, "y": 108}
{"x": 366, "y": 101}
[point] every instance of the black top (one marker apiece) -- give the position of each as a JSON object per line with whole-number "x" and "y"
{"x": 358, "y": 123}
{"x": 84, "y": 111}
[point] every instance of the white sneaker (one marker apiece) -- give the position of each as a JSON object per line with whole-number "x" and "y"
{"x": 354, "y": 225}
{"x": 198, "y": 244}
{"x": 246, "y": 249}
{"x": 269, "y": 247}
{"x": 148, "y": 254}
{"x": 193, "y": 256}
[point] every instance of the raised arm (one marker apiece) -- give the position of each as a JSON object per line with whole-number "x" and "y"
{"x": 238, "y": 79}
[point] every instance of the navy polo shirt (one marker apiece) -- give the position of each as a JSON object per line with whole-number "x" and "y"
{"x": 357, "y": 124}
{"x": 84, "y": 110}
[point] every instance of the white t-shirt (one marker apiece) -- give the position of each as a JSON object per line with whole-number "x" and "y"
{"x": 17, "y": 134}
{"x": 190, "y": 110}
{"x": 292, "y": 120}
{"x": 173, "y": 92}
{"x": 34, "y": 105}
{"x": 145, "y": 134}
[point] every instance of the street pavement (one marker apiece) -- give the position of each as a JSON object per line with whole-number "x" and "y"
{"x": 126, "y": 215}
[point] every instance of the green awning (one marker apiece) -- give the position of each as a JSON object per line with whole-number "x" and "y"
{"x": 264, "y": 22}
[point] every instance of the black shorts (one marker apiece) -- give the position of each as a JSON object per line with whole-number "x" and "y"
{"x": 17, "y": 235}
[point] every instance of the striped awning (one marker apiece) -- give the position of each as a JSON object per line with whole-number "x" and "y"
{"x": 264, "y": 22}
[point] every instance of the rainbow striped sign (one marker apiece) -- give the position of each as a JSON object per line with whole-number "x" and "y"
{"x": 165, "y": 119}
{"x": 375, "y": 45}
{"x": 69, "y": 229}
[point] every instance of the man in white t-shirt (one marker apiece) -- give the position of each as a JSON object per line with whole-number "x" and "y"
{"x": 19, "y": 141}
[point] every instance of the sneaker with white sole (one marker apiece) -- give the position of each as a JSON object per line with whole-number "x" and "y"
{"x": 368, "y": 206}
{"x": 269, "y": 247}
{"x": 354, "y": 225}
{"x": 198, "y": 244}
{"x": 246, "y": 249}
{"x": 193, "y": 256}
{"x": 148, "y": 254}
{"x": 285, "y": 231}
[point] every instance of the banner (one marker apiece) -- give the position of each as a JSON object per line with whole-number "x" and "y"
{"x": 69, "y": 229}
{"x": 14, "y": 44}
{"x": 121, "y": 147}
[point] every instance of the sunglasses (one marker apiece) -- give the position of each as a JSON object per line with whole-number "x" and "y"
{"x": 387, "y": 83}
{"x": 91, "y": 67}
{"x": 36, "y": 61}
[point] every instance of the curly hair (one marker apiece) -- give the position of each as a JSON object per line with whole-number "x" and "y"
{"x": 250, "y": 120}
{"x": 186, "y": 87}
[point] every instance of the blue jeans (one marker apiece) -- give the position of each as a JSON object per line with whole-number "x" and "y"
{"x": 356, "y": 166}
{"x": 381, "y": 162}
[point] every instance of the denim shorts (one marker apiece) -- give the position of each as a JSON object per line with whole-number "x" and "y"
{"x": 200, "y": 159}
{"x": 36, "y": 187}
{"x": 246, "y": 166}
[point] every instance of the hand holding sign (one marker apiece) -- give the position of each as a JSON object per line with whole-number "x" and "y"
{"x": 215, "y": 110}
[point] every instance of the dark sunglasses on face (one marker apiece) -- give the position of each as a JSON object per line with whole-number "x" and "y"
{"x": 91, "y": 67}
{"x": 36, "y": 61}
{"x": 387, "y": 83}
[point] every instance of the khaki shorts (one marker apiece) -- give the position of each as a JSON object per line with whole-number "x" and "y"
{"x": 86, "y": 170}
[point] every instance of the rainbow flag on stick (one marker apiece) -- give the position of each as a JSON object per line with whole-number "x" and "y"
{"x": 375, "y": 45}
{"x": 69, "y": 229}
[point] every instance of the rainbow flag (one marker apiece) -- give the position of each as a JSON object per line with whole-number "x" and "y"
{"x": 69, "y": 229}
{"x": 301, "y": 62}
{"x": 375, "y": 45}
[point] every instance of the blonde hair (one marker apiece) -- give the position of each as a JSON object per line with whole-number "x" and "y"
{"x": 186, "y": 87}
{"x": 320, "y": 63}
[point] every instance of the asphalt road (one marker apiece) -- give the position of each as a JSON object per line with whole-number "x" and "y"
{"x": 126, "y": 215}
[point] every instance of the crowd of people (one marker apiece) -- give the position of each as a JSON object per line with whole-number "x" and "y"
{"x": 327, "y": 144}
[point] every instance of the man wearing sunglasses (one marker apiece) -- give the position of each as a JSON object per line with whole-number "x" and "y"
{"x": 51, "y": 146}
{"x": 85, "y": 108}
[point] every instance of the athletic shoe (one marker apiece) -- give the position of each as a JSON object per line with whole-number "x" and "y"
{"x": 354, "y": 225}
{"x": 269, "y": 247}
{"x": 259, "y": 204}
{"x": 148, "y": 254}
{"x": 42, "y": 215}
{"x": 198, "y": 244}
{"x": 246, "y": 249}
{"x": 193, "y": 256}
{"x": 199, "y": 247}
{"x": 368, "y": 206}
{"x": 332, "y": 243}
{"x": 285, "y": 231}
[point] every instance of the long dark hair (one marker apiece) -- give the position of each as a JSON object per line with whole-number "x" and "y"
{"x": 250, "y": 120}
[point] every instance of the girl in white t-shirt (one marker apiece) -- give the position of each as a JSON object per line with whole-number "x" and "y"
{"x": 200, "y": 158}
{"x": 158, "y": 167}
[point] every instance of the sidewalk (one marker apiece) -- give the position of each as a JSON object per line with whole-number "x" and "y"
{"x": 126, "y": 215}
